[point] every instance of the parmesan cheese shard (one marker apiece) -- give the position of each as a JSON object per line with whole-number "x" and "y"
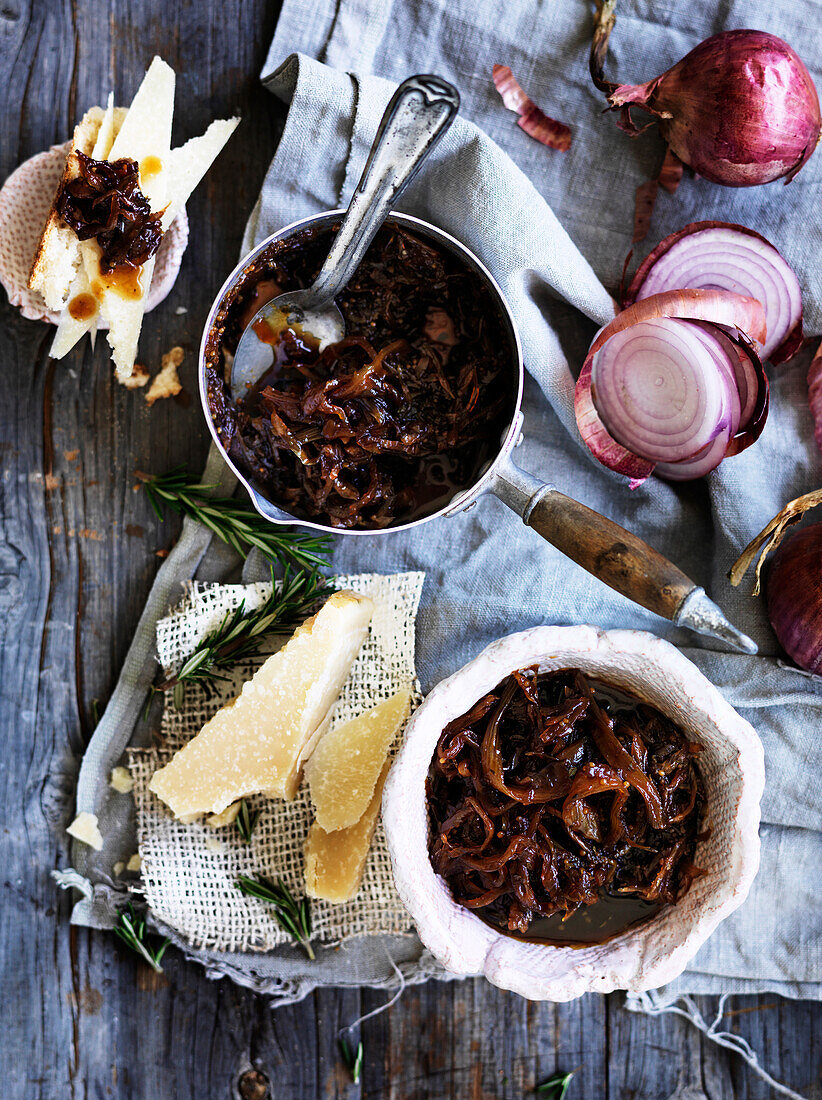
{"x": 121, "y": 780}
{"x": 258, "y": 742}
{"x": 334, "y": 862}
{"x": 344, "y": 768}
{"x": 227, "y": 817}
{"x": 135, "y": 863}
{"x": 85, "y": 828}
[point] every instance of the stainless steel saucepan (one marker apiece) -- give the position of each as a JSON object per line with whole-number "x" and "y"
{"x": 612, "y": 554}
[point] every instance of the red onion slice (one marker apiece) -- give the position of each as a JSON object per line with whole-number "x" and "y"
{"x": 659, "y": 389}
{"x": 654, "y": 390}
{"x": 723, "y": 256}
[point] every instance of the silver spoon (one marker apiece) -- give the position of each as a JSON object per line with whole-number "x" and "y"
{"x": 420, "y": 111}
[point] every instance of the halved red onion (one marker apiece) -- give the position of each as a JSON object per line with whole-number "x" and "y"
{"x": 673, "y": 383}
{"x": 723, "y": 256}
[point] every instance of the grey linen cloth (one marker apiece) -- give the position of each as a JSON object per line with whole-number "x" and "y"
{"x": 488, "y": 575}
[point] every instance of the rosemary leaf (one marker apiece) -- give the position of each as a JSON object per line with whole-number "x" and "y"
{"x": 293, "y": 916}
{"x": 246, "y": 821}
{"x": 555, "y": 1087}
{"x": 352, "y": 1059}
{"x": 131, "y": 928}
{"x": 234, "y": 521}
{"x": 240, "y": 633}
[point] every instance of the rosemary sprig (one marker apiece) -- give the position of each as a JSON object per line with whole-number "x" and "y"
{"x": 246, "y": 821}
{"x": 241, "y": 632}
{"x": 352, "y": 1059}
{"x": 131, "y": 928}
{"x": 293, "y": 916}
{"x": 555, "y": 1087}
{"x": 234, "y": 521}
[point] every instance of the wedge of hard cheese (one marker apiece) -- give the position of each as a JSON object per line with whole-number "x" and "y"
{"x": 258, "y": 742}
{"x": 345, "y": 766}
{"x": 334, "y": 862}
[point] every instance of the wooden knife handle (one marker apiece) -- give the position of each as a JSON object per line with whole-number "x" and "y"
{"x": 611, "y": 553}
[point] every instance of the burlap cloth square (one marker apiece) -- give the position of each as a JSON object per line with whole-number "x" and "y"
{"x": 189, "y": 871}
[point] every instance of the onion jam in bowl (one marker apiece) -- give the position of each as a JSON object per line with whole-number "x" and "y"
{"x": 574, "y": 811}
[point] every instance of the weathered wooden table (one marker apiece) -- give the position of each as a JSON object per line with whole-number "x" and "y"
{"x": 78, "y": 551}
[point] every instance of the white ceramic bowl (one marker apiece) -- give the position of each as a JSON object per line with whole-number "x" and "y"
{"x": 732, "y": 766}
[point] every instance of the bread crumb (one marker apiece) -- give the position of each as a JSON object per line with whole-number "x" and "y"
{"x": 85, "y": 828}
{"x": 119, "y": 867}
{"x": 167, "y": 382}
{"x": 121, "y": 780}
{"x": 138, "y": 377}
{"x": 227, "y": 817}
{"x": 134, "y": 862}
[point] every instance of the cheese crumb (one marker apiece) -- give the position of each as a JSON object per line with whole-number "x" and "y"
{"x": 134, "y": 862}
{"x": 138, "y": 377}
{"x": 85, "y": 828}
{"x": 213, "y": 844}
{"x": 167, "y": 382}
{"x": 119, "y": 867}
{"x": 121, "y": 780}
{"x": 227, "y": 817}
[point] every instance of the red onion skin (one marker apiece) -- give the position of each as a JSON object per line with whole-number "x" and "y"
{"x": 740, "y": 109}
{"x": 795, "y": 597}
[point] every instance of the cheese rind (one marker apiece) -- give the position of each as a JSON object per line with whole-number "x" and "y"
{"x": 344, "y": 768}
{"x": 335, "y": 862}
{"x": 260, "y": 740}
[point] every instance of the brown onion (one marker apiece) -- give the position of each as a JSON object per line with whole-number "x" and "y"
{"x": 740, "y": 109}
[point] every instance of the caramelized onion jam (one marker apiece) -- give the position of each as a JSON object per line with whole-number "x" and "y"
{"x": 563, "y": 809}
{"x": 388, "y": 424}
{"x": 105, "y": 202}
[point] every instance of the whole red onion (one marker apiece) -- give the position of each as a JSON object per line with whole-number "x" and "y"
{"x": 795, "y": 597}
{"x": 740, "y": 109}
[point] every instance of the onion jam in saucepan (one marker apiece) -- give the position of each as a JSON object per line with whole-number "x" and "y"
{"x": 388, "y": 424}
{"x": 563, "y": 809}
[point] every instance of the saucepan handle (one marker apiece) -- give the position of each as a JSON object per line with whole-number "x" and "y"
{"x": 615, "y": 556}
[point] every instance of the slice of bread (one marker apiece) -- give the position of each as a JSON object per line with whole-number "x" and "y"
{"x": 58, "y": 254}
